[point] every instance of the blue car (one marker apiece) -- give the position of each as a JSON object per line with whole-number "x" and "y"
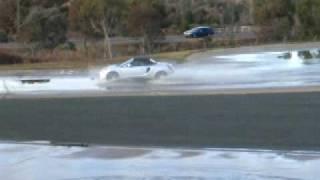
{"x": 199, "y": 32}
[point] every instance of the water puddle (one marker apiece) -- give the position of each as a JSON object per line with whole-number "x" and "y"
{"x": 51, "y": 162}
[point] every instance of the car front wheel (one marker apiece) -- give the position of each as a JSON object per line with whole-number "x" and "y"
{"x": 112, "y": 76}
{"x": 160, "y": 75}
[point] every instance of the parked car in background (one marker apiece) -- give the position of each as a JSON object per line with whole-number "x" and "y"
{"x": 139, "y": 67}
{"x": 199, "y": 32}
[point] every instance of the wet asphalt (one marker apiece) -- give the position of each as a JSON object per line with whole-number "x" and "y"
{"x": 271, "y": 121}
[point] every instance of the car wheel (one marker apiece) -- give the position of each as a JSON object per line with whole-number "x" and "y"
{"x": 112, "y": 76}
{"x": 160, "y": 75}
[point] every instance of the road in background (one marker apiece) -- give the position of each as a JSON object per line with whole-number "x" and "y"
{"x": 245, "y": 35}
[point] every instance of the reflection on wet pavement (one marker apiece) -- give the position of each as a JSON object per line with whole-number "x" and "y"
{"x": 92, "y": 163}
{"x": 109, "y": 153}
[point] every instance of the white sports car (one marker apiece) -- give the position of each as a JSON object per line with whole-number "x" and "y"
{"x": 139, "y": 67}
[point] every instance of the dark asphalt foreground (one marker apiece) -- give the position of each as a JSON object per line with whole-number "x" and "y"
{"x": 272, "y": 121}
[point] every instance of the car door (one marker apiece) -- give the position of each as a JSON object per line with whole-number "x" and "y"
{"x": 126, "y": 69}
{"x": 135, "y": 69}
{"x": 211, "y": 32}
{"x": 206, "y": 32}
{"x": 201, "y": 32}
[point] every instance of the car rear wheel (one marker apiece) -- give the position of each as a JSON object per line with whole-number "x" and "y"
{"x": 112, "y": 76}
{"x": 160, "y": 75}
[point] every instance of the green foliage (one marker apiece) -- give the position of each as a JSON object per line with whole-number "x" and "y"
{"x": 3, "y": 37}
{"x": 281, "y": 28}
{"x": 94, "y": 17}
{"x": 98, "y": 18}
{"x": 7, "y": 16}
{"x": 278, "y": 19}
{"x": 187, "y": 21}
{"x": 232, "y": 13}
{"x": 46, "y": 3}
{"x": 68, "y": 46}
{"x": 45, "y": 27}
{"x": 267, "y": 10}
{"x": 275, "y": 18}
{"x": 9, "y": 12}
{"x": 309, "y": 15}
{"x": 146, "y": 19}
{"x": 295, "y": 19}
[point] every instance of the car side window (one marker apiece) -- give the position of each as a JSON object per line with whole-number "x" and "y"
{"x": 142, "y": 62}
{"x": 138, "y": 62}
{"x": 135, "y": 63}
{"x": 148, "y": 62}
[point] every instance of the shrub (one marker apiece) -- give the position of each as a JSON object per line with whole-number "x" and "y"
{"x": 6, "y": 58}
{"x": 3, "y": 37}
{"x": 68, "y": 46}
{"x": 305, "y": 54}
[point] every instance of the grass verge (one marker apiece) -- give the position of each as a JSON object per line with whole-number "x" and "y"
{"x": 178, "y": 57}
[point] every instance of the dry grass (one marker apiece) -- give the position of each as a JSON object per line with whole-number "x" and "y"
{"x": 73, "y": 62}
{"x": 179, "y": 56}
{"x": 46, "y": 65}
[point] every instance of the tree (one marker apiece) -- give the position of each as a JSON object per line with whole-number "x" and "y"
{"x": 48, "y": 3}
{"x": 47, "y": 27}
{"x": 42, "y": 21}
{"x": 7, "y": 16}
{"x": 146, "y": 19}
{"x": 284, "y": 19}
{"x": 275, "y": 18}
{"x": 98, "y": 17}
{"x": 14, "y": 12}
{"x": 308, "y": 12}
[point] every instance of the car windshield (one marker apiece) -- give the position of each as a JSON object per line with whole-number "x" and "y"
{"x": 159, "y": 89}
{"x": 126, "y": 63}
{"x": 196, "y": 29}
